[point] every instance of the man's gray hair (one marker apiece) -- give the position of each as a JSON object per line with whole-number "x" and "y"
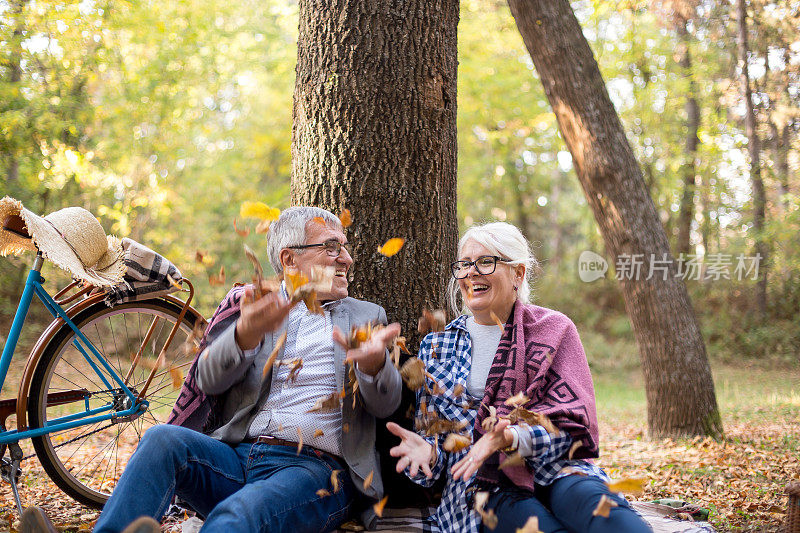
{"x": 290, "y": 230}
{"x": 506, "y": 241}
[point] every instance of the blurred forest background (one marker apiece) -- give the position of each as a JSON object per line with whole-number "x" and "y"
{"x": 163, "y": 117}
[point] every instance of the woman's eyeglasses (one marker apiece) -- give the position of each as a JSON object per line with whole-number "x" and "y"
{"x": 485, "y": 265}
{"x": 332, "y": 247}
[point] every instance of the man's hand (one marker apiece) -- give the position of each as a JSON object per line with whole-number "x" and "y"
{"x": 497, "y": 439}
{"x": 259, "y": 317}
{"x": 370, "y": 356}
{"x": 413, "y": 451}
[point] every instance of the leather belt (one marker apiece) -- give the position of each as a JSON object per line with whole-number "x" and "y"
{"x": 275, "y": 441}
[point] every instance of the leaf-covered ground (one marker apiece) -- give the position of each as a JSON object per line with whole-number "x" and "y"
{"x": 740, "y": 479}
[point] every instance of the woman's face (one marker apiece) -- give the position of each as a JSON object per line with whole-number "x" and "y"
{"x": 490, "y": 293}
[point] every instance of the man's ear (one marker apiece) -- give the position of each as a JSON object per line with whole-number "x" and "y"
{"x": 287, "y": 259}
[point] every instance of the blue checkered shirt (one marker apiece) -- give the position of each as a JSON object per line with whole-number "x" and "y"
{"x": 448, "y": 357}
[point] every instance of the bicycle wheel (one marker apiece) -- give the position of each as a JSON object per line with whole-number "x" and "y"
{"x": 86, "y": 461}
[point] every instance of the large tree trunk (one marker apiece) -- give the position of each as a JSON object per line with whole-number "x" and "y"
{"x": 754, "y": 150}
{"x": 680, "y": 389}
{"x": 375, "y": 132}
{"x": 686, "y": 215}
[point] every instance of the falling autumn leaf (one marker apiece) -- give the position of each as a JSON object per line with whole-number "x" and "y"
{"x": 177, "y": 377}
{"x": 391, "y": 247}
{"x": 345, "y": 428}
{"x": 634, "y": 486}
{"x": 318, "y": 433}
{"x": 572, "y": 449}
{"x": 604, "y": 506}
{"x": 294, "y": 279}
{"x": 335, "y": 480}
{"x": 273, "y": 355}
{"x": 489, "y": 519}
{"x": 258, "y": 210}
{"x": 531, "y": 526}
{"x": 330, "y": 402}
{"x": 458, "y": 390}
{"x": 241, "y": 232}
{"x": 297, "y": 365}
{"x": 497, "y": 320}
{"x": 431, "y": 321}
{"x": 323, "y": 493}
{"x": 346, "y": 218}
{"x": 517, "y": 400}
{"x": 174, "y": 283}
{"x": 368, "y": 479}
{"x": 515, "y": 459}
{"x": 263, "y": 226}
{"x": 258, "y": 279}
{"x": 378, "y": 507}
{"x": 218, "y": 279}
{"x": 319, "y": 220}
{"x": 413, "y": 373}
{"x": 299, "y": 441}
{"x": 455, "y": 442}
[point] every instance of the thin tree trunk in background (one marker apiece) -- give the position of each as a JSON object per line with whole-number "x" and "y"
{"x": 522, "y": 220}
{"x": 686, "y": 214}
{"x": 783, "y": 142}
{"x": 754, "y": 151}
{"x": 680, "y": 389}
{"x": 375, "y": 132}
{"x": 15, "y": 76}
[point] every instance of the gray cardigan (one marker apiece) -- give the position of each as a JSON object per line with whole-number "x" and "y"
{"x": 226, "y": 370}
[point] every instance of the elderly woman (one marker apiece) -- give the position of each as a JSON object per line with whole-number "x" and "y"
{"x": 514, "y": 376}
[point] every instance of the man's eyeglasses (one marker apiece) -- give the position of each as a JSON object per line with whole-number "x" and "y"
{"x": 332, "y": 247}
{"x": 485, "y": 265}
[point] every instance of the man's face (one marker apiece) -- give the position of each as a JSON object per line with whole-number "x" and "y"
{"x": 317, "y": 233}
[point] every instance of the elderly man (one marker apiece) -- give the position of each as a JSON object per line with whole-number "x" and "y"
{"x": 248, "y": 474}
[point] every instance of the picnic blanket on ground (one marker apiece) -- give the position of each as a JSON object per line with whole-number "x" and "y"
{"x": 662, "y": 519}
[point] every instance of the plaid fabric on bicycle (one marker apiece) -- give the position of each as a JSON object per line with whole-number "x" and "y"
{"x": 147, "y": 275}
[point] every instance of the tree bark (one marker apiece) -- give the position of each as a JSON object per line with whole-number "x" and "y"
{"x": 15, "y": 76}
{"x": 678, "y": 381}
{"x": 375, "y": 132}
{"x": 686, "y": 214}
{"x": 754, "y": 150}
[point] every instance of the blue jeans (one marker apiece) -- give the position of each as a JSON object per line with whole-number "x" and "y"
{"x": 247, "y": 488}
{"x": 565, "y": 505}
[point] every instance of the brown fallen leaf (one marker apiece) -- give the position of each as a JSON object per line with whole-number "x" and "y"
{"x": 633, "y": 486}
{"x": 258, "y": 280}
{"x": 272, "y": 356}
{"x": 368, "y": 479}
{"x": 323, "y": 493}
{"x": 431, "y": 321}
{"x": 263, "y": 226}
{"x": 497, "y": 320}
{"x": 330, "y": 402}
{"x": 352, "y": 525}
{"x": 489, "y": 519}
{"x": 531, "y": 526}
{"x": 378, "y": 507}
{"x": 604, "y": 506}
{"x": 517, "y": 400}
{"x": 297, "y": 365}
{"x": 455, "y": 442}
{"x": 177, "y": 377}
{"x": 335, "y": 480}
{"x": 241, "y": 232}
{"x": 515, "y": 459}
{"x": 458, "y": 390}
{"x": 199, "y": 256}
{"x": 318, "y": 433}
{"x": 218, "y": 279}
{"x": 299, "y": 440}
{"x": 346, "y": 218}
{"x": 572, "y": 449}
{"x": 345, "y": 428}
{"x": 489, "y": 422}
{"x": 413, "y": 373}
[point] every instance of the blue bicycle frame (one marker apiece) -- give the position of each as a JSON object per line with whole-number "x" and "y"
{"x": 33, "y": 286}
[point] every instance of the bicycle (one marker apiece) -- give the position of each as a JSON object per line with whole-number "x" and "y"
{"x": 89, "y": 388}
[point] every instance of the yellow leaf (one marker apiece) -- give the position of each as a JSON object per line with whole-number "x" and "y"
{"x": 531, "y": 526}
{"x": 378, "y": 507}
{"x": 604, "y": 506}
{"x": 258, "y": 210}
{"x": 515, "y": 459}
{"x": 177, "y": 377}
{"x": 295, "y": 279}
{"x": 368, "y": 479}
{"x": 335, "y": 480}
{"x": 455, "y": 442}
{"x": 323, "y": 492}
{"x": 299, "y": 441}
{"x": 391, "y": 247}
{"x": 318, "y": 433}
{"x": 346, "y": 218}
{"x": 628, "y": 485}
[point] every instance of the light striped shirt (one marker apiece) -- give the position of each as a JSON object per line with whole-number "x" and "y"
{"x": 310, "y": 337}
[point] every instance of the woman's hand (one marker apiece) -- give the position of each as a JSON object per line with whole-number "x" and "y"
{"x": 413, "y": 451}
{"x": 497, "y": 439}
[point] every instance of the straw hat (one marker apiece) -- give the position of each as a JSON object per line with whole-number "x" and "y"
{"x": 71, "y": 238}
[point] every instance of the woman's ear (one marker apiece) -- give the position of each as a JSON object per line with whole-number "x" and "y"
{"x": 519, "y": 274}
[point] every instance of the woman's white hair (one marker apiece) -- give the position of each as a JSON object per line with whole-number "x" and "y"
{"x": 503, "y": 240}
{"x": 290, "y": 230}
